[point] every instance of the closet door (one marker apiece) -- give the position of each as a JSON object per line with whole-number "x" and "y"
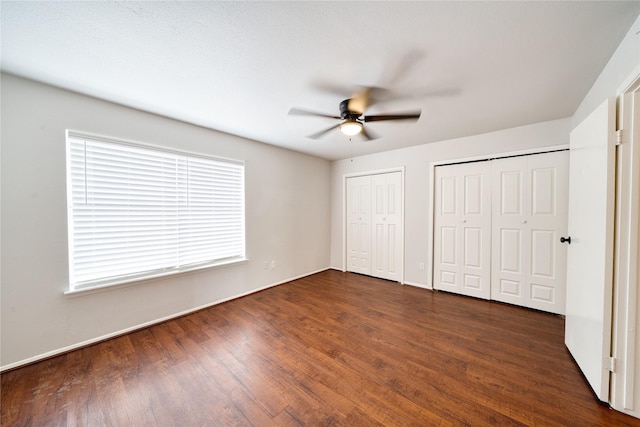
{"x": 528, "y": 217}
{"x": 511, "y": 245}
{"x": 547, "y": 222}
{"x": 462, "y": 245}
{"x": 359, "y": 224}
{"x": 387, "y": 225}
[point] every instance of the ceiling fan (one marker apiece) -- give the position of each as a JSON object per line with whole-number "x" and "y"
{"x": 352, "y": 117}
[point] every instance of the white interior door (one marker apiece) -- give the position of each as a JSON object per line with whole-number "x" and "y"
{"x": 590, "y": 254}
{"x": 529, "y": 214}
{"x": 359, "y": 224}
{"x": 387, "y": 225}
{"x": 462, "y": 245}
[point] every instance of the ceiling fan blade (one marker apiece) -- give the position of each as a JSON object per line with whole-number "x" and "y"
{"x": 323, "y": 132}
{"x": 405, "y": 116}
{"x": 301, "y": 112}
{"x": 418, "y": 94}
{"x": 360, "y": 96}
{"x": 367, "y": 96}
{"x": 359, "y": 101}
{"x": 342, "y": 91}
{"x": 451, "y": 91}
{"x": 404, "y": 66}
{"x": 369, "y": 135}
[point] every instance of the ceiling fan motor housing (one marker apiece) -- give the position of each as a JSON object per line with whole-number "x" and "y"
{"x": 345, "y": 113}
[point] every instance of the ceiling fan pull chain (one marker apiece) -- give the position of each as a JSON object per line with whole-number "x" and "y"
{"x": 351, "y": 147}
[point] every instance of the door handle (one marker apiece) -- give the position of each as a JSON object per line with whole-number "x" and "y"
{"x": 565, "y": 240}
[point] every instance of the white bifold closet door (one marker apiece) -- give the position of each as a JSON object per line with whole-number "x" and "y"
{"x": 375, "y": 225}
{"x": 497, "y": 230}
{"x": 462, "y": 245}
{"x": 387, "y": 225}
{"x": 359, "y": 224}
{"x": 529, "y": 215}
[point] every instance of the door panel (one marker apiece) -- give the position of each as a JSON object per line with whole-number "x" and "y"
{"x": 353, "y": 226}
{"x": 448, "y": 246}
{"x": 510, "y": 288}
{"x": 392, "y": 257}
{"x": 547, "y": 220}
{"x": 387, "y": 220}
{"x": 472, "y": 283}
{"x": 446, "y": 262}
{"x": 462, "y": 230}
{"x": 590, "y": 255}
{"x": 510, "y": 251}
{"x": 472, "y": 247}
{"x": 511, "y": 182}
{"x": 359, "y": 224}
{"x": 530, "y": 209}
{"x": 379, "y": 264}
{"x": 510, "y": 247}
{"x": 542, "y": 293}
{"x": 473, "y": 195}
{"x": 543, "y": 252}
{"x": 448, "y": 195}
{"x": 448, "y": 271}
{"x": 543, "y": 191}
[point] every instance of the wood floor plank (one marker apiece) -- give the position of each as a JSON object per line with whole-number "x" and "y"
{"x": 329, "y": 349}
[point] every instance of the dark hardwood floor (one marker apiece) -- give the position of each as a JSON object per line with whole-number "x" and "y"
{"x": 329, "y": 349}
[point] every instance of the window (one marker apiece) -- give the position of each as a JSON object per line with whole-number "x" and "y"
{"x": 138, "y": 212}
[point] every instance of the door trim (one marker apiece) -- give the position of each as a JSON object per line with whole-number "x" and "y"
{"x": 624, "y": 393}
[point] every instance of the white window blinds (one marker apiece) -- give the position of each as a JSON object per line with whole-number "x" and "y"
{"x": 138, "y": 212}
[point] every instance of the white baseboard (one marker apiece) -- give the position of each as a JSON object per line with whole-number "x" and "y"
{"x": 96, "y": 340}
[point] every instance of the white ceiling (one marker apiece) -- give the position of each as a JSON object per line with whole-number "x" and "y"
{"x": 238, "y": 67}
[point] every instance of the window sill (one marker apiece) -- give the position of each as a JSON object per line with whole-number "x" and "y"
{"x": 134, "y": 281}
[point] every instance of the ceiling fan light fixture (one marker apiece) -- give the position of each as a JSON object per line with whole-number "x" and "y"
{"x": 351, "y": 127}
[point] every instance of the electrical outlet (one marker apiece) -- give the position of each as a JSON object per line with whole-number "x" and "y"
{"x": 273, "y": 265}
{"x": 421, "y": 266}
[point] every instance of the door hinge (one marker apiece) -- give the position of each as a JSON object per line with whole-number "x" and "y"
{"x": 610, "y": 364}
{"x": 619, "y": 137}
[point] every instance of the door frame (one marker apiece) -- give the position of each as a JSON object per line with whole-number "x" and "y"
{"x": 624, "y": 387}
{"x": 431, "y": 186}
{"x": 345, "y": 217}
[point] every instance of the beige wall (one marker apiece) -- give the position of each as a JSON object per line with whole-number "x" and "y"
{"x": 287, "y": 220}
